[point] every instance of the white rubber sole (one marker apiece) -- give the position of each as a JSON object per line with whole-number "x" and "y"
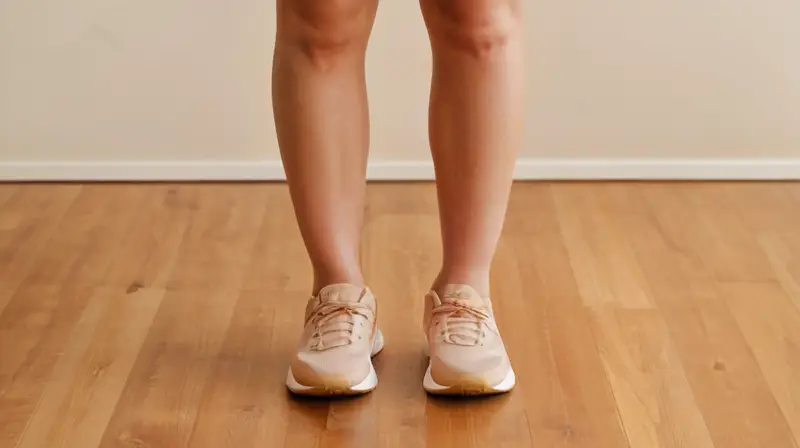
{"x": 336, "y": 387}
{"x": 469, "y": 388}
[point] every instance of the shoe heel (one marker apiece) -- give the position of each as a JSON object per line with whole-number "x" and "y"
{"x": 377, "y": 343}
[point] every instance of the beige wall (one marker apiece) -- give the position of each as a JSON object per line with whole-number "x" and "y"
{"x": 112, "y": 80}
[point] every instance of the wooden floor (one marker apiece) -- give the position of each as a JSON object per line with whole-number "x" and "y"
{"x": 636, "y": 315}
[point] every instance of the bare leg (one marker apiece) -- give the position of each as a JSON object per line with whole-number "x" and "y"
{"x": 321, "y": 116}
{"x": 476, "y": 116}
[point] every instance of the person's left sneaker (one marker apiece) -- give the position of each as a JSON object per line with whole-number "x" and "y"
{"x": 467, "y": 355}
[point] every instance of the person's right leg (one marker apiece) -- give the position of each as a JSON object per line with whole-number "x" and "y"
{"x": 320, "y": 105}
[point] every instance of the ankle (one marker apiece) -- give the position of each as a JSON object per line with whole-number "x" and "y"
{"x": 323, "y": 278}
{"x": 478, "y": 279}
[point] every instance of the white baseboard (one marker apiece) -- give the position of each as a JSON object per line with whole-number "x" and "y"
{"x": 527, "y": 169}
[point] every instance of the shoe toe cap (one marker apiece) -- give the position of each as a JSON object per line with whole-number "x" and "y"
{"x": 323, "y": 370}
{"x": 455, "y": 366}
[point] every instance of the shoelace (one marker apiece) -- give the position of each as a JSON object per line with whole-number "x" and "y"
{"x": 463, "y": 321}
{"x": 337, "y": 321}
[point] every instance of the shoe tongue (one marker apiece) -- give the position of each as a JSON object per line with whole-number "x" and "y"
{"x": 341, "y": 292}
{"x": 463, "y": 294}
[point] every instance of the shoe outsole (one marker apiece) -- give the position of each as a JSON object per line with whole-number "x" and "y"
{"x": 339, "y": 388}
{"x": 469, "y": 388}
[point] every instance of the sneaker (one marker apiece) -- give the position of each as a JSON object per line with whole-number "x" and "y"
{"x": 467, "y": 355}
{"x": 339, "y": 340}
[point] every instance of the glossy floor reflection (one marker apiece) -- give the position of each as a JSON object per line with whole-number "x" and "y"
{"x": 636, "y": 315}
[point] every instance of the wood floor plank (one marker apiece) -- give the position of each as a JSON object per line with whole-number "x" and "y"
{"x": 730, "y": 389}
{"x": 593, "y": 417}
{"x": 7, "y": 191}
{"x": 246, "y": 402}
{"x": 80, "y": 400}
{"x": 34, "y": 330}
{"x": 89, "y": 377}
{"x": 40, "y": 316}
{"x": 763, "y": 207}
{"x": 279, "y": 256}
{"x": 29, "y": 220}
{"x": 180, "y": 352}
{"x": 771, "y": 325}
{"x": 306, "y": 422}
{"x": 416, "y": 198}
{"x": 654, "y": 396}
{"x": 783, "y": 252}
{"x": 567, "y": 394}
{"x": 149, "y": 250}
{"x": 793, "y": 190}
{"x": 603, "y": 262}
{"x": 171, "y": 371}
{"x": 730, "y": 248}
{"x": 547, "y": 418}
{"x": 655, "y": 401}
{"x": 220, "y": 238}
{"x": 58, "y": 384}
{"x": 88, "y": 237}
{"x": 492, "y": 421}
{"x": 350, "y": 423}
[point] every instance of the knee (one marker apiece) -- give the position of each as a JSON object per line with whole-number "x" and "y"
{"x": 324, "y": 31}
{"x": 478, "y": 27}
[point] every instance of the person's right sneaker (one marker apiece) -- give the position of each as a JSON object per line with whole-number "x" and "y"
{"x": 467, "y": 355}
{"x": 339, "y": 339}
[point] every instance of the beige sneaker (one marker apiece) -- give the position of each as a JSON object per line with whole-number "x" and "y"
{"x": 467, "y": 355}
{"x": 339, "y": 339}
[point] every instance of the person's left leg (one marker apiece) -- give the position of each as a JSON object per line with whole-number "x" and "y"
{"x": 475, "y": 126}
